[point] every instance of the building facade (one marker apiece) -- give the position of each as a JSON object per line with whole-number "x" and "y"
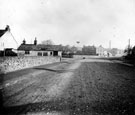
{"x": 100, "y": 51}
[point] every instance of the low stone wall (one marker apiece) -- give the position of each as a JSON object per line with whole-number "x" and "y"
{"x": 82, "y": 56}
{"x": 8, "y": 64}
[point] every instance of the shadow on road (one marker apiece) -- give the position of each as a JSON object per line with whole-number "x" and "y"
{"x": 54, "y": 70}
{"x": 1, "y": 91}
{"x": 117, "y": 106}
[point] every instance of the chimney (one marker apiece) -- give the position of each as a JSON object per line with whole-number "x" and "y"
{"x": 7, "y": 28}
{"x": 35, "y": 41}
{"x": 24, "y": 42}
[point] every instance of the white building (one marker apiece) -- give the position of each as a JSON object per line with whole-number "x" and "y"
{"x": 100, "y": 51}
{"x": 7, "y": 40}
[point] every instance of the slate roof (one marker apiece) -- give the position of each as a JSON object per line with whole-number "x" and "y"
{"x": 27, "y": 47}
{"x": 39, "y": 47}
{"x": 2, "y": 32}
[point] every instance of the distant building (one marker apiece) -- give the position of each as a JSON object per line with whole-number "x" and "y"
{"x": 39, "y": 49}
{"x": 116, "y": 52}
{"x": 105, "y": 52}
{"x": 113, "y": 51}
{"x": 100, "y": 50}
{"x": 120, "y": 52}
{"x": 93, "y": 50}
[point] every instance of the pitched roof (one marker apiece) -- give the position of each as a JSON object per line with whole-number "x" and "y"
{"x": 39, "y": 47}
{"x": 27, "y": 47}
{"x": 2, "y": 32}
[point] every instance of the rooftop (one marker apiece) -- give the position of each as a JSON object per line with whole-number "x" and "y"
{"x": 2, "y": 32}
{"x": 39, "y": 47}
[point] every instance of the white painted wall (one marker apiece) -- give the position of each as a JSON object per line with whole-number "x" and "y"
{"x": 7, "y": 41}
{"x": 33, "y": 53}
{"x": 59, "y": 53}
{"x": 100, "y": 51}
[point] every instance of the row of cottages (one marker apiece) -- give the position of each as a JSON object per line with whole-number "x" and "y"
{"x": 39, "y": 49}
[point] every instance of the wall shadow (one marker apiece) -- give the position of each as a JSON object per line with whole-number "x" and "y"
{"x": 114, "y": 107}
{"x": 1, "y": 91}
{"x": 55, "y": 70}
{"x": 119, "y": 105}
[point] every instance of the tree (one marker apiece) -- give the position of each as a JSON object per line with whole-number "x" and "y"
{"x": 73, "y": 49}
{"x": 128, "y": 50}
{"x": 66, "y": 49}
{"x": 47, "y": 42}
{"x": 89, "y": 50}
{"x": 133, "y": 51}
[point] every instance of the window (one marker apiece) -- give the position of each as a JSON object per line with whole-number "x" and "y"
{"x": 27, "y": 52}
{"x": 55, "y": 53}
{"x": 50, "y": 53}
{"x": 45, "y": 54}
{"x": 39, "y": 53}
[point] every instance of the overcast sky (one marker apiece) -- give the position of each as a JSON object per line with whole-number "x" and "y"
{"x": 92, "y": 22}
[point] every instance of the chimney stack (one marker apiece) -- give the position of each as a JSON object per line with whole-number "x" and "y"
{"x": 7, "y": 28}
{"x": 35, "y": 41}
{"x": 24, "y": 42}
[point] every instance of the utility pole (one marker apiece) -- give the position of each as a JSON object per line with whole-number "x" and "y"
{"x": 129, "y": 46}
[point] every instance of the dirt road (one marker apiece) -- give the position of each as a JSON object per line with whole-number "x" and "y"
{"x": 81, "y": 87}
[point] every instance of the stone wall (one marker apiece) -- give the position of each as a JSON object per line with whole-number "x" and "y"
{"x": 82, "y": 56}
{"x": 8, "y": 64}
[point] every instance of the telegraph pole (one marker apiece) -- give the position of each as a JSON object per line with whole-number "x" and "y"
{"x": 129, "y": 46}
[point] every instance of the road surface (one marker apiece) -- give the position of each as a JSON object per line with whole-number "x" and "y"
{"x": 71, "y": 87}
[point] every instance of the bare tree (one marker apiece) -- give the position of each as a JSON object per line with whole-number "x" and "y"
{"x": 47, "y": 42}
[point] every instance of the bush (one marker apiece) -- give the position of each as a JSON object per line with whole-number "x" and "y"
{"x": 65, "y": 55}
{"x": 130, "y": 57}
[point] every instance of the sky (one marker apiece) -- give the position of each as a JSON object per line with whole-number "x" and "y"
{"x": 91, "y": 22}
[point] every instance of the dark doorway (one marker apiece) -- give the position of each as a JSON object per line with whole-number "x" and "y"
{"x": 7, "y": 52}
{"x": 55, "y": 53}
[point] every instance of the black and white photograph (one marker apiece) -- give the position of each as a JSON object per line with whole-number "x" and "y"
{"x": 67, "y": 57}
